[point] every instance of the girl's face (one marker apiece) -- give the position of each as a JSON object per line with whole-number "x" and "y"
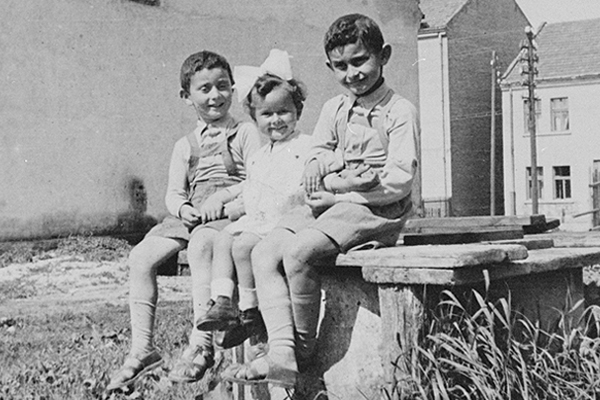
{"x": 276, "y": 114}
{"x": 210, "y": 94}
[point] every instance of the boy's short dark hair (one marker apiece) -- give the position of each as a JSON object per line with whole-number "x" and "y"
{"x": 199, "y": 61}
{"x": 354, "y": 28}
{"x": 265, "y": 85}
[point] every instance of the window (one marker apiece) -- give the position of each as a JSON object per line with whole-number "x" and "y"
{"x": 538, "y": 114}
{"x": 559, "y": 112}
{"x": 540, "y": 176}
{"x": 562, "y": 182}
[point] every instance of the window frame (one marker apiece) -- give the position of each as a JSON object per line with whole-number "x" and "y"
{"x": 529, "y": 183}
{"x": 562, "y": 111}
{"x": 564, "y": 181}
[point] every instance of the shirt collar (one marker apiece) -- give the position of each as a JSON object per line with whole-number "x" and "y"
{"x": 221, "y": 124}
{"x": 372, "y": 99}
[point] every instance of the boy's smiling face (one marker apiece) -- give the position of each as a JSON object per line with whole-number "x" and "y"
{"x": 210, "y": 94}
{"x": 356, "y": 67}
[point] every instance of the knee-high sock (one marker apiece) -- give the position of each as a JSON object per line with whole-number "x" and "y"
{"x": 142, "y": 313}
{"x": 201, "y": 297}
{"x": 276, "y": 310}
{"x": 306, "y": 307}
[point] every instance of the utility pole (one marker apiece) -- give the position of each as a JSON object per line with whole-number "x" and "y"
{"x": 529, "y": 69}
{"x": 493, "y": 137}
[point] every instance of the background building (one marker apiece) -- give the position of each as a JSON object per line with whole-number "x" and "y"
{"x": 567, "y": 120}
{"x": 456, "y": 41}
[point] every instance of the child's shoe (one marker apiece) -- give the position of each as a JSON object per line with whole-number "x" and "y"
{"x": 250, "y": 325}
{"x": 192, "y": 365}
{"x": 133, "y": 369}
{"x": 221, "y": 315}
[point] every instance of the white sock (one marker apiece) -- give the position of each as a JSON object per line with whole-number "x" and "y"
{"x": 222, "y": 287}
{"x": 142, "y": 314}
{"x": 248, "y": 298}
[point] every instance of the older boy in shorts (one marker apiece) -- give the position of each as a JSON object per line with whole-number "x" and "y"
{"x": 372, "y": 132}
{"x": 207, "y": 160}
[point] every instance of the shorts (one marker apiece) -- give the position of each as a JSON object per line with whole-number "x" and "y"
{"x": 174, "y": 228}
{"x": 351, "y": 225}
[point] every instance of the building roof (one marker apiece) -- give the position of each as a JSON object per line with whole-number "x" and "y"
{"x": 438, "y": 13}
{"x": 566, "y": 50}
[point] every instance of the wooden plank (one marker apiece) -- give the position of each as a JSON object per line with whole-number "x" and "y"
{"x": 414, "y": 224}
{"x": 552, "y": 223}
{"x": 530, "y": 243}
{"x": 439, "y": 257}
{"x": 539, "y": 261}
{"x": 499, "y": 233}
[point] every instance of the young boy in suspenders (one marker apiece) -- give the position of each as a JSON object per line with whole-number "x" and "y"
{"x": 207, "y": 160}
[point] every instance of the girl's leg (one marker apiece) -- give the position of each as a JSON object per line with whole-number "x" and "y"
{"x": 221, "y": 313}
{"x": 251, "y": 323}
{"x": 241, "y": 252}
{"x": 309, "y": 246}
{"x": 275, "y": 306}
{"x": 199, "y": 355}
{"x": 144, "y": 260}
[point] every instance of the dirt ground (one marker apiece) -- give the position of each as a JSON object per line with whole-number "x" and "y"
{"x": 67, "y": 282}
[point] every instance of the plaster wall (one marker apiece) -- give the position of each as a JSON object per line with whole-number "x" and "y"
{"x": 89, "y": 107}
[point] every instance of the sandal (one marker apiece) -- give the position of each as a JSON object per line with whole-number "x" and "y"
{"x": 246, "y": 374}
{"x": 192, "y": 365}
{"x": 133, "y": 369}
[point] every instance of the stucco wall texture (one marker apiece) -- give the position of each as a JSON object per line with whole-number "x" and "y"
{"x": 89, "y": 105}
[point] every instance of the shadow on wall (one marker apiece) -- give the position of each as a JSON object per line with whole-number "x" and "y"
{"x": 134, "y": 222}
{"x": 131, "y": 224}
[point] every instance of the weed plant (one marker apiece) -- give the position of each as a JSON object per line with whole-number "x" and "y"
{"x": 489, "y": 352}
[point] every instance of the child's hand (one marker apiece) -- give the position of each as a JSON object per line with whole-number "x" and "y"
{"x": 212, "y": 208}
{"x": 234, "y": 209}
{"x": 190, "y": 216}
{"x": 361, "y": 179}
{"x": 320, "y": 201}
{"x": 312, "y": 176}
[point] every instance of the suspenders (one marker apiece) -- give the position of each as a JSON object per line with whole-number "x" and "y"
{"x": 225, "y": 153}
{"x": 383, "y": 136}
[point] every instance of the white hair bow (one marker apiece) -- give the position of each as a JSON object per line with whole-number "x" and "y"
{"x": 245, "y": 76}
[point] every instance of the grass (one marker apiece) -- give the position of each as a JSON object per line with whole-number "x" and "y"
{"x": 86, "y": 248}
{"x": 71, "y": 355}
{"x": 489, "y": 352}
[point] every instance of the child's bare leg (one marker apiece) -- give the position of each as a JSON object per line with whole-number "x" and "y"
{"x": 241, "y": 252}
{"x": 305, "y": 286}
{"x": 200, "y": 258}
{"x": 199, "y": 355}
{"x": 276, "y": 309}
{"x": 221, "y": 314}
{"x": 144, "y": 260}
{"x": 251, "y": 323}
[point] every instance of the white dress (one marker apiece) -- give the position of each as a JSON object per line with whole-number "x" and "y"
{"x": 273, "y": 185}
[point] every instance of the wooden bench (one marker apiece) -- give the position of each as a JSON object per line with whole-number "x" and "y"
{"x": 376, "y": 301}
